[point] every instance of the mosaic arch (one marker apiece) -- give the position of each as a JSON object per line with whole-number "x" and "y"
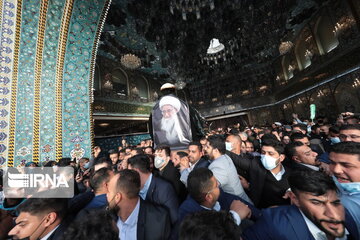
{"x": 47, "y": 57}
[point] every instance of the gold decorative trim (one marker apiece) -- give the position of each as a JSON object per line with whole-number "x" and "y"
{"x": 11, "y": 152}
{"x": 37, "y": 79}
{"x": 64, "y": 30}
{"x": 92, "y": 66}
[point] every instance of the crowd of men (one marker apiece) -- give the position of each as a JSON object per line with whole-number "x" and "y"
{"x": 297, "y": 181}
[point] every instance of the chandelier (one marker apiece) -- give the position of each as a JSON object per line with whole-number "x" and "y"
{"x": 308, "y": 54}
{"x": 356, "y": 83}
{"x": 343, "y": 24}
{"x": 217, "y": 52}
{"x": 189, "y": 6}
{"x": 285, "y": 47}
{"x": 130, "y": 61}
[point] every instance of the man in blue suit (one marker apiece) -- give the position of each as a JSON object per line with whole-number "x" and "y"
{"x": 205, "y": 194}
{"x": 195, "y": 160}
{"x": 153, "y": 189}
{"x": 317, "y": 213}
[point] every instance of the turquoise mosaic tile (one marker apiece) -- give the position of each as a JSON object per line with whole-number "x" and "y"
{"x": 76, "y": 112}
{"x": 25, "y": 85}
{"x": 48, "y": 81}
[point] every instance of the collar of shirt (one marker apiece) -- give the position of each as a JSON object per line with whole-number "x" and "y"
{"x": 279, "y": 175}
{"x": 132, "y": 220}
{"x": 145, "y": 189}
{"x": 310, "y": 166}
{"x": 49, "y": 234}
{"x": 216, "y": 207}
{"x": 316, "y": 232}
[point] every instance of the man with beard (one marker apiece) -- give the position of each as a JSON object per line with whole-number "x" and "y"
{"x": 134, "y": 215}
{"x": 316, "y": 213}
{"x": 173, "y": 122}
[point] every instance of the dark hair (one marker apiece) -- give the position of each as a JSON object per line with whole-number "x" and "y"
{"x": 315, "y": 182}
{"x": 98, "y": 225}
{"x": 290, "y": 149}
{"x": 297, "y": 136}
{"x": 182, "y": 154}
{"x": 113, "y": 151}
{"x": 217, "y": 141}
{"x": 141, "y": 162}
{"x": 199, "y": 183}
{"x": 166, "y": 148}
{"x": 334, "y": 129}
{"x": 122, "y": 151}
{"x": 314, "y": 127}
{"x": 234, "y": 131}
{"x": 277, "y": 145}
{"x": 64, "y": 162}
{"x": 99, "y": 177}
{"x": 152, "y": 149}
{"x": 351, "y": 148}
{"x": 301, "y": 126}
{"x": 209, "y": 225}
{"x": 103, "y": 160}
{"x": 350, "y": 127}
{"x": 138, "y": 151}
{"x": 129, "y": 183}
{"x": 36, "y": 206}
{"x": 198, "y": 144}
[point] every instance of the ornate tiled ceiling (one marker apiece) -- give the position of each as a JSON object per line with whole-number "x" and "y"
{"x": 171, "y": 47}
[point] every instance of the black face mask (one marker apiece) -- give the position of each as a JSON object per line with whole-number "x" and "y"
{"x": 28, "y": 238}
{"x": 322, "y": 134}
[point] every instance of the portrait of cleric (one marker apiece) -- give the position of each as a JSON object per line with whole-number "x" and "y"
{"x": 171, "y": 123}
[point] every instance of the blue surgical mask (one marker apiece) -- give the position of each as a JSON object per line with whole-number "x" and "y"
{"x": 228, "y": 146}
{"x": 87, "y": 165}
{"x": 335, "y": 140}
{"x": 268, "y": 162}
{"x": 352, "y": 187}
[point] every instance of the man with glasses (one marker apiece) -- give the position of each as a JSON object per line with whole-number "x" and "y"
{"x": 350, "y": 133}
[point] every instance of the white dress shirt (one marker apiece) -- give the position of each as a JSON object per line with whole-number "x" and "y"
{"x": 128, "y": 229}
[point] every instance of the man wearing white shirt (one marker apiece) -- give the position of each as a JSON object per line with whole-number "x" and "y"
{"x": 134, "y": 215}
{"x": 40, "y": 218}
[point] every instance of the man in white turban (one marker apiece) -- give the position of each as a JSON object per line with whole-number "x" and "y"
{"x": 170, "y": 124}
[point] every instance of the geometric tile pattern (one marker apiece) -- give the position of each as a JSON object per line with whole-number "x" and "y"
{"x": 31, "y": 61}
{"x": 7, "y": 43}
{"x": 76, "y": 134}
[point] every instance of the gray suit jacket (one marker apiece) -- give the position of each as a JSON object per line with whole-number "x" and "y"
{"x": 225, "y": 172}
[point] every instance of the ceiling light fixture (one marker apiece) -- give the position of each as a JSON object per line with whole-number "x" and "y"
{"x": 189, "y": 6}
{"x": 218, "y": 52}
{"x": 130, "y": 61}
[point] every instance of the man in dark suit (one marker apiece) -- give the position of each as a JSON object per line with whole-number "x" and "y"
{"x": 205, "y": 194}
{"x": 41, "y": 218}
{"x": 167, "y": 170}
{"x": 317, "y": 212}
{"x": 195, "y": 160}
{"x": 267, "y": 175}
{"x": 154, "y": 189}
{"x": 301, "y": 157}
{"x": 136, "y": 218}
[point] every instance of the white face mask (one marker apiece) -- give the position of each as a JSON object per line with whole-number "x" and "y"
{"x": 228, "y": 146}
{"x": 159, "y": 162}
{"x": 268, "y": 162}
{"x": 352, "y": 187}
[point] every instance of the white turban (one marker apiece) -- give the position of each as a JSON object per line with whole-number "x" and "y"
{"x": 168, "y": 100}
